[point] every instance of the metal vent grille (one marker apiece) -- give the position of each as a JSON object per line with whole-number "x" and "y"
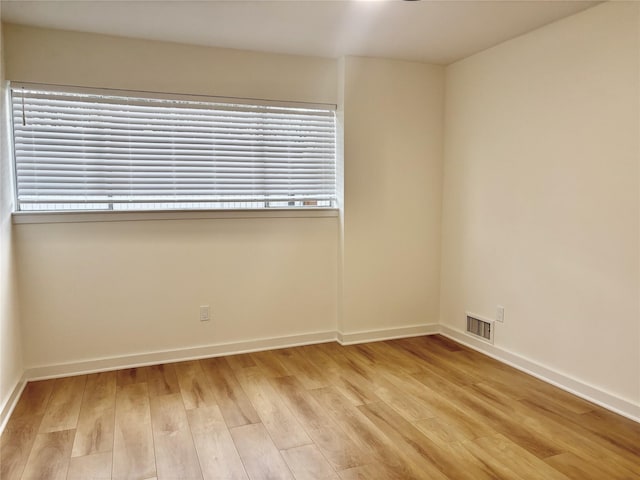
{"x": 480, "y": 328}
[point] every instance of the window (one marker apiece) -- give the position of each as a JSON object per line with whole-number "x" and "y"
{"x": 94, "y": 150}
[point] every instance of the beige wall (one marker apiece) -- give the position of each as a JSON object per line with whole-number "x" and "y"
{"x": 393, "y": 115}
{"x": 541, "y": 207}
{"x": 73, "y": 58}
{"x": 92, "y": 290}
{"x": 10, "y": 338}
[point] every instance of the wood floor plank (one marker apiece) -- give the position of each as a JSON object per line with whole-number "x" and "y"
{"x": 129, "y": 376}
{"x": 447, "y": 343}
{"x": 380, "y": 355}
{"x": 307, "y": 463}
{"x": 217, "y": 453}
{"x": 306, "y": 372}
{"x": 34, "y": 398}
{"x": 353, "y": 387}
{"x": 374, "y": 471}
{"x": 94, "y": 433}
{"x": 385, "y": 387}
{"x": 523, "y": 431}
{"x": 331, "y": 349}
{"x": 489, "y": 462}
{"x": 516, "y": 458}
{"x": 100, "y": 391}
{"x": 440, "y": 432}
{"x": 49, "y": 458}
{"x": 133, "y": 454}
{"x": 64, "y": 404}
{"x": 270, "y": 364}
{"x": 578, "y": 440}
{"x": 316, "y": 355}
{"x": 575, "y": 467}
{"x": 15, "y": 445}
{"x": 162, "y": 380}
{"x": 363, "y": 432}
{"x": 231, "y": 398}
{"x": 338, "y": 359}
{"x": 435, "y": 363}
{"x": 348, "y": 376}
{"x": 175, "y": 452}
{"x": 393, "y": 390}
{"x": 90, "y": 467}
{"x": 341, "y": 452}
{"x": 344, "y": 375}
{"x": 460, "y": 419}
{"x": 242, "y": 360}
{"x": 608, "y": 421}
{"x": 194, "y": 386}
{"x": 415, "y": 444}
{"x": 512, "y": 382}
{"x": 494, "y": 466}
{"x": 260, "y": 456}
{"x": 568, "y": 434}
{"x": 281, "y": 424}
{"x": 530, "y": 387}
{"x": 609, "y": 428}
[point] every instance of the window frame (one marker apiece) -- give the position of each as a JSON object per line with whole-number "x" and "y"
{"x": 73, "y": 216}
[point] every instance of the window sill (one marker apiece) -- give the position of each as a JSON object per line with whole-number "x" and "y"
{"x": 83, "y": 217}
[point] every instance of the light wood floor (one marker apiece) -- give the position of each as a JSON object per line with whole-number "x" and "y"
{"x": 423, "y": 408}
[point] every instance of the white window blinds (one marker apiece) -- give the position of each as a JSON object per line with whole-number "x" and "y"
{"x": 81, "y": 149}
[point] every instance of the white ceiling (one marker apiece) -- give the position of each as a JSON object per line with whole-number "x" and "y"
{"x": 429, "y": 31}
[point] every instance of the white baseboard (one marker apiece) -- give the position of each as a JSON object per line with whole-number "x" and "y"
{"x": 363, "y": 336}
{"x": 175, "y": 355}
{"x": 576, "y": 387}
{"x": 207, "y": 351}
{"x": 11, "y": 401}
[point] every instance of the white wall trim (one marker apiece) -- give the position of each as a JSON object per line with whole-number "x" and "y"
{"x": 135, "y": 216}
{"x": 175, "y": 355}
{"x": 364, "y": 336}
{"x": 206, "y": 351}
{"x": 11, "y": 401}
{"x": 565, "y": 382}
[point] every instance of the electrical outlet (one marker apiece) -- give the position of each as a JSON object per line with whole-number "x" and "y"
{"x": 500, "y": 314}
{"x": 204, "y": 313}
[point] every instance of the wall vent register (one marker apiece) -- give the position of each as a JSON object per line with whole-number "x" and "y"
{"x": 480, "y": 328}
